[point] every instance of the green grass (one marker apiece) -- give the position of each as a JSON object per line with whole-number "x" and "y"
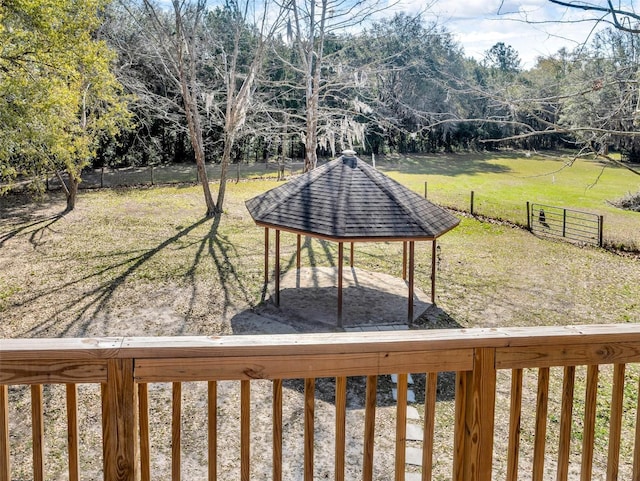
{"x": 503, "y": 183}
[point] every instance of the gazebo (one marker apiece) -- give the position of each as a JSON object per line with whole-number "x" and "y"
{"x": 347, "y": 200}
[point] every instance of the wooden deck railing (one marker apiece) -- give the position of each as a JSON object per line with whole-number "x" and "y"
{"x": 124, "y": 367}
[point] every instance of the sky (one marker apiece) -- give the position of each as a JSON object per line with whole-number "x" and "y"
{"x": 533, "y": 27}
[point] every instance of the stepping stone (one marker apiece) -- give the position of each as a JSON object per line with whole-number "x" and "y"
{"x": 411, "y": 396}
{"x": 414, "y": 432}
{"x": 412, "y": 477}
{"x": 412, "y": 413}
{"x": 413, "y": 456}
{"x": 394, "y": 379}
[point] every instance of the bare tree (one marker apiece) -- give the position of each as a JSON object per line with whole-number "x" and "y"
{"x": 204, "y": 64}
{"x": 310, "y": 24}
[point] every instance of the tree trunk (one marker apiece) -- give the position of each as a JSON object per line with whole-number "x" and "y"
{"x": 72, "y": 193}
{"x": 224, "y": 167}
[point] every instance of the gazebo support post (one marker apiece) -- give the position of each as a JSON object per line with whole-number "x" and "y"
{"x": 433, "y": 271}
{"x": 299, "y": 246}
{"x": 340, "y": 262}
{"x": 404, "y": 261}
{"x": 351, "y": 255}
{"x": 411, "y": 279}
{"x": 277, "y": 270}
{"x": 266, "y": 257}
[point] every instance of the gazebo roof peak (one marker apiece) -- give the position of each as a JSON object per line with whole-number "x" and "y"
{"x": 347, "y": 199}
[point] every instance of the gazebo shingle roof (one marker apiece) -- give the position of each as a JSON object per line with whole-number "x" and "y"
{"x": 347, "y": 199}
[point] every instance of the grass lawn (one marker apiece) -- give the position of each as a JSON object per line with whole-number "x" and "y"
{"x": 504, "y": 182}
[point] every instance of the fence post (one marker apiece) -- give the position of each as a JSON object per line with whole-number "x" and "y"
{"x": 564, "y": 222}
{"x": 119, "y": 422}
{"x": 528, "y": 217}
{"x": 425, "y": 189}
{"x": 600, "y": 231}
{"x": 102, "y": 178}
{"x": 152, "y": 175}
{"x": 475, "y": 410}
{"x": 472, "y": 197}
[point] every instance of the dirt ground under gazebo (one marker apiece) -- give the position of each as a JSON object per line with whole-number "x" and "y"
{"x": 371, "y": 300}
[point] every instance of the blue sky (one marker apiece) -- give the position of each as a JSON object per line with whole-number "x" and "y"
{"x": 480, "y": 24}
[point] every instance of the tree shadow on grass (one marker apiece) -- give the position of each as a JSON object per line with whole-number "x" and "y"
{"x": 75, "y": 317}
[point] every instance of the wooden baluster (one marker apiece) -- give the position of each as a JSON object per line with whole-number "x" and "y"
{"x": 119, "y": 421}
{"x": 615, "y": 423}
{"x": 541, "y": 424}
{"x": 5, "y": 466}
{"x": 429, "y": 425}
{"x": 369, "y": 427}
{"x": 459, "y": 427}
{"x": 309, "y": 413}
{"x": 37, "y": 430}
{"x": 143, "y": 414}
{"x": 72, "y": 431}
{"x": 515, "y": 414}
{"x": 176, "y": 427}
{"x": 636, "y": 445}
{"x": 277, "y": 430}
{"x": 401, "y": 426}
{"x": 566, "y": 416}
{"x": 212, "y": 429}
{"x": 341, "y": 420}
{"x": 245, "y": 430}
{"x": 588, "y": 435}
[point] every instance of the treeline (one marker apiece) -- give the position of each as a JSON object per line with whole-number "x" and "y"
{"x": 397, "y": 85}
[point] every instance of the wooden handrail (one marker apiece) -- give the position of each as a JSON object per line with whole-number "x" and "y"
{"x": 123, "y": 367}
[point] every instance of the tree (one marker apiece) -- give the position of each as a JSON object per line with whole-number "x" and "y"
{"x": 311, "y": 26}
{"x": 212, "y": 57}
{"x": 58, "y": 94}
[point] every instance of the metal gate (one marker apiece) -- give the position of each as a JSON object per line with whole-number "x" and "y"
{"x": 559, "y": 222}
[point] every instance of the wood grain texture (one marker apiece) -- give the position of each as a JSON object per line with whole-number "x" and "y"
{"x": 620, "y": 336}
{"x": 309, "y": 426}
{"x": 5, "y": 464}
{"x": 540, "y": 439}
{"x": 300, "y": 366}
{"x": 569, "y": 355}
{"x": 341, "y": 421}
{"x": 277, "y": 430}
{"x": 479, "y": 418}
{"x": 212, "y": 429}
{"x": 566, "y": 420}
{"x": 37, "y": 432}
{"x": 615, "y": 422}
{"x": 430, "y": 396}
{"x": 369, "y": 427}
{"x": 636, "y": 445}
{"x": 588, "y": 434}
{"x": 515, "y": 418}
{"x": 119, "y": 422}
{"x": 72, "y": 431}
{"x": 459, "y": 429}
{"x": 401, "y": 426}
{"x": 176, "y": 431}
{"x": 51, "y": 371}
{"x": 143, "y": 416}
{"x": 245, "y": 430}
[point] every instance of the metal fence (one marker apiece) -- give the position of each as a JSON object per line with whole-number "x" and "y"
{"x": 572, "y": 225}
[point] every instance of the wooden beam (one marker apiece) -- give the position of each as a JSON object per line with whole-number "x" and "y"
{"x": 298, "y": 248}
{"x": 277, "y": 270}
{"x": 411, "y": 281}
{"x": 404, "y": 261}
{"x": 340, "y": 269}
{"x": 434, "y": 260}
{"x": 266, "y": 257}
{"x": 5, "y": 466}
